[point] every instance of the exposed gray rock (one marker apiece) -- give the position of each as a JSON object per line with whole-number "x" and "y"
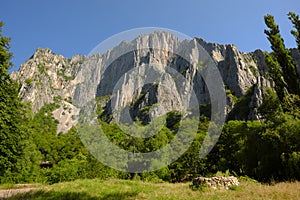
{"x": 66, "y": 114}
{"x": 235, "y": 67}
{"x": 47, "y": 78}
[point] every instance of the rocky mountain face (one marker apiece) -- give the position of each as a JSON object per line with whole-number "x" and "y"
{"x": 120, "y": 81}
{"x": 49, "y": 78}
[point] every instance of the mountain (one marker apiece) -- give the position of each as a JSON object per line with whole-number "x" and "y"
{"x": 120, "y": 81}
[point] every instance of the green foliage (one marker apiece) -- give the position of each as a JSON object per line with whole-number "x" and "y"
{"x": 275, "y": 72}
{"x": 296, "y": 22}
{"x": 248, "y": 179}
{"x": 152, "y": 177}
{"x": 241, "y": 108}
{"x": 5, "y": 56}
{"x": 202, "y": 67}
{"x": 270, "y": 107}
{"x": 16, "y": 153}
{"x": 67, "y": 78}
{"x": 135, "y": 144}
{"x": 200, "y": 187}
{"x": 278, "y": 142}
{"x": 42, "y": 69}
{"x": 291, "y": 105}
{"x": 291, "y": 163}
{"x": 281, "y": 64}
{"x": 264, "y": 151}
{"x": 62, "y": 73}
{"x": 224, "y": 174}
{"x": 254, "y": 71}
{"x": 189, "y": 165}
{"x": 233, "y": 187}
{"x": 57, "y": 99}
{"x": 173, "y": 120}
{"x": 229, "y": 94}
{"x": 65, "y": 170}
{"x": 28, "y": 81}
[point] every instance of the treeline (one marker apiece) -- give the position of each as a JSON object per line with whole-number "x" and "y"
{"x": 266, "y": 150}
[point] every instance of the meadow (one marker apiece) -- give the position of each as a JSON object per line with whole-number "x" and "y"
{"x": 93, "y": 189}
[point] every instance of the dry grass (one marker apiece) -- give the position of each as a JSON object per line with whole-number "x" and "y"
{"x": 124, "y": 189}
{"x": 285, "y": 190}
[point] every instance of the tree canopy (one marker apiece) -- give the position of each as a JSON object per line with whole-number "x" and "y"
{"x": 281, "y": 64}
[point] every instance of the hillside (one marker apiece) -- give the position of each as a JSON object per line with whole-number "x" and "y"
{"x": 46, "y": 78}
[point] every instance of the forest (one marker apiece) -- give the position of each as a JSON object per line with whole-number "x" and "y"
{"x": 267, "y": 150}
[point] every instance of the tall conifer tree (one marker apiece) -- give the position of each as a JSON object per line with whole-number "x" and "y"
{"x": 11, "y": 131}
{"x": 281, "y": 63}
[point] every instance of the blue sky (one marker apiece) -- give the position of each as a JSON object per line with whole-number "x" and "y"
{"x": 70, "y": 27}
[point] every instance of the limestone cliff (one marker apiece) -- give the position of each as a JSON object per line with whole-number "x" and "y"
{"x": 47, "y": 77}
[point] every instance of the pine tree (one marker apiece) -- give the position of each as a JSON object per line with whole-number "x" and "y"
{"x": 275, "y": 73}
{"x": 296, "y": 22}
{"x": 11, "y": 131}
{"x": 288, "y": 73}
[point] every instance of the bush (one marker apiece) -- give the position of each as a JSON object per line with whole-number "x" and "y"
{"x": 28, "y": 81}
{"x": 66, "y": 170}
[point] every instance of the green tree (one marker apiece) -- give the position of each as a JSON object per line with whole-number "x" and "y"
{"x": 13, "y": 136}
{"x": 270, "y": 108}
{"x": 275, "y": 73}
{"x": 296, "y": 22}
{"x": 283, "y": 57}
{"x": 291, "y": 105}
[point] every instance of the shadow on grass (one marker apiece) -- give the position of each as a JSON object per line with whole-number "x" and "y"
{"x": 119, "y": 196}
{"x": 53, "y": 195}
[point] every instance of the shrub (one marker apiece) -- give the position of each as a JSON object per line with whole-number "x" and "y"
{"x": 28, "y": 81}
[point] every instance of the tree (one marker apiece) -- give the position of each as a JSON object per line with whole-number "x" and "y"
{"x": 10, "y": 112}
{"x": 275, "y": 73}
{"x": 296, "y": 22}
{"x": 270, "y": 108}
{"x": 286, "y": 77}
{"x": 17, "y": 153}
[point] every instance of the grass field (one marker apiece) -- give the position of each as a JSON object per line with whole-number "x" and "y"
{"x": 125, "y": 189}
